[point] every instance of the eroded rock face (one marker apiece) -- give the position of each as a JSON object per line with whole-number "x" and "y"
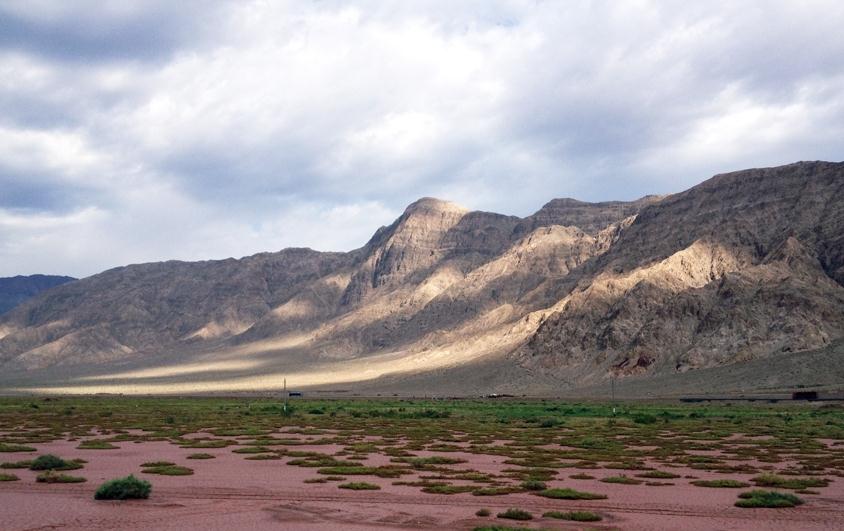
{"x": 741, "y": 267}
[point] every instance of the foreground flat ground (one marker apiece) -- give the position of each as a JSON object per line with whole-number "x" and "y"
{"x": 434, "y": 463}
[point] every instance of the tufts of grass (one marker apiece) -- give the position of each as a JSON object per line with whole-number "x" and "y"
{"x": 251, "y": 450}
{"x": 657, "y": 474}
{"x": 721, "y": 483}
{"x": 16, "y": 464}
{"x": 581, "y": 476}
{"x": 482, "y": 512}
{"x": 8, "y": 477}
{"x": 576, "y": 516}
{"x": 622, "y": 480}
{"x": 263, "y": 457}
{"x": 49, "y": 476}
{"x": 201, "y": 456}
{"x": 96, "y": 445}
{"x": 381, "y": 472}
{"x": 781, "y": 482}
{"x": 168, "y": 469}
{"x": 447, "y": 489}
{"x": 124, "y": 489}
{"x": 156, "y": 464}
{"x": 515, "y": 514}
{"x": 6, "y": 447}
{"x": 766, "y": 498}
{"x": 500, "y": 528}
{"x": 534, "y": 484}
{"x": 569, "y": 494}
{"x": 359, "y": 485}
{"x": 495, "y": 491}
{"x": 422, "y": 462}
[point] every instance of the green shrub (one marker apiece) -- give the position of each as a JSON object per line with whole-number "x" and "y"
{"x": 201, "y": 456}
{"x": 482, "y": 512}
{"x": 52, "y": 462}
{"x": 515, "y": 514}
{"x": 8, "y": 477}
{"x": 124, "y": 489}
{"x": 767, "y": 498}
{"x": 534, "y": 484}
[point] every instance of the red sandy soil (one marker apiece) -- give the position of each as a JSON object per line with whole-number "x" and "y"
{"x": 230, "y": 493}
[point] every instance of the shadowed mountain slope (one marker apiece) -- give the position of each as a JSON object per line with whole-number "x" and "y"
{"x": 15, "y": 290}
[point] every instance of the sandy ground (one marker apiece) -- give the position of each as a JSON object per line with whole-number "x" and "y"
{"x": 230, "y": 492}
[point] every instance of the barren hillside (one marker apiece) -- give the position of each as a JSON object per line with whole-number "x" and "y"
{"x": 742, "y": 267}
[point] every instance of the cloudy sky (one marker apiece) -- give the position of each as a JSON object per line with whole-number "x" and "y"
{"x": 142, "y": 131}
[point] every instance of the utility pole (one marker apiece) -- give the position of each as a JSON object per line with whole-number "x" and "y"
{"x": 612, "y": 386}
{"x": 285, "y": 396}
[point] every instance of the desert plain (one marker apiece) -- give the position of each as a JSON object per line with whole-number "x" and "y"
{"x": 389, "y": 463}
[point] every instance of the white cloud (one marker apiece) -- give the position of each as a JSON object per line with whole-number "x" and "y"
{"x": 223, "y": 129}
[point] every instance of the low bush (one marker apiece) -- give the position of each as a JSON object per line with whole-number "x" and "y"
{"x": 124, "y": 489}
{"x": 8, "y": 477}
{"x": 515, "y": 514}
{"x": 52, "y": 462}
{"x": 482, "y": 512}
{"x": 767, "y": 499}
{"x": 781, "y": 482}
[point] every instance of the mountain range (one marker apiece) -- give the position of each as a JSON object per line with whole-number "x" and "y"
{"x": 745, "y": 270}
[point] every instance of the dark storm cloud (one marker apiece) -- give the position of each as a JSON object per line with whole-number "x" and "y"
{"x": 97, "y": 31}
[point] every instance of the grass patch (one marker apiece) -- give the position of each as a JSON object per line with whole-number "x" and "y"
{"x": 515, "y": 514}
{"x": 721, "y": 483}
{"x": 782, "y": 482}
{"x": 575, "y": 516}
{"x": 534, "y": 484}
{"x": 581, "y": 476}
{"x": 96, "y": 445}
{"x": 128, "y": 488}
{"x": 482, "y": 512}
{"x": 381, "y": 472}
{"x": 201, "y": 456}
{"x": 768, "y": 499}
{"x": 359, "y": 485}
{"x": 51, "y": 476}
{"x": 8, "y": 477}
{"x": 569, "y": 494}
{"x": 5, "y": 447}
{"x": 168, "y": 470}
{"x": 16, "y": 464}
{"x": 495, "y": 491}
{"x": 657, "y": 474}
{"x": 622, "y": 480}
{"x": 448, "y": 489}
